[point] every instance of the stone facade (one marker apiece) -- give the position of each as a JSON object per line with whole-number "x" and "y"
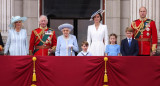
{"x": 28, "y": 8}
{"x": 119, "y": 14}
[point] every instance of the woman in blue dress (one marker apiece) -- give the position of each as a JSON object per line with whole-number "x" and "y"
{"x": 17, "y": 43}
{"x": 113, "y": 49}
{"x": 66, "y": 43}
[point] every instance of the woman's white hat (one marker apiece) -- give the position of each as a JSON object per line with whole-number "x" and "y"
{"x": 99, "y": 11}
{"x": 17, "y": 18}
{"x": 65, "y": 25}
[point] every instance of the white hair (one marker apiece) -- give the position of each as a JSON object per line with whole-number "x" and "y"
{"x": 43, "y": 16}
{"x": 68, "y": 29}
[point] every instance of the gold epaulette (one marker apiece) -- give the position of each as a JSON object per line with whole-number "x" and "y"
{"x": 137, "y": 27}
{"x": 37, "y": 33}
{"x": 134, "y": 24}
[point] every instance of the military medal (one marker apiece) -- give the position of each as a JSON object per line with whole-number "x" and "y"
{"x": 48, "y": 32}
{"x": 147, "y": 25}
{"x": 147, "y": 29}
{"x": 147, "y": 34}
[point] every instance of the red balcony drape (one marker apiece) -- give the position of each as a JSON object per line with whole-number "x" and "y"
{"x": 80, "y": 71}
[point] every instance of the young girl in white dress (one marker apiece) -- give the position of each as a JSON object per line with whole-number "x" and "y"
{"x": 97, "y": 36}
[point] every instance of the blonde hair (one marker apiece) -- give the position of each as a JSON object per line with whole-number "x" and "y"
{"x": 129, "y": 29}
{"x": 14, "y": 25}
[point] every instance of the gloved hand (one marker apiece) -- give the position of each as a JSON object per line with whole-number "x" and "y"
{"x": 70, "y": 46}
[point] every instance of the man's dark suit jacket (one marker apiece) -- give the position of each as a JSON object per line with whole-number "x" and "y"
{"x": 1, "y": 42}
{"x": 129, "y": 51}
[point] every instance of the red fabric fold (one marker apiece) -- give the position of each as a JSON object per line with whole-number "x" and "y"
{"x": 134, "y": 71}
{"x": 80, "y": 71}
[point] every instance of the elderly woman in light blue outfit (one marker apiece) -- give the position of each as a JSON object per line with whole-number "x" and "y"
{"x": 17, "y": 43}
{"x": 66, "y": 43}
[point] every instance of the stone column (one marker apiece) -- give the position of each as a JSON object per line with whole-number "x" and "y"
{"x": 30, "y": 10}
{"x": 5, "y": 15}
{"x": 113, "y": 17}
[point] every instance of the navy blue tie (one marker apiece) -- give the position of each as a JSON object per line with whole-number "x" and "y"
{"x": 129, "y": 42}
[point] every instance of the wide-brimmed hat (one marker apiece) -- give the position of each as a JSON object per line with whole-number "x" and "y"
{"x": 65, "y": 25}
{"x": 17, "y": 18}
{"x": 95, "y": 13}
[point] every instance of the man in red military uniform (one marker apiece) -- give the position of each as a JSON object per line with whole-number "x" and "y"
{"x": 146, "y": 33}
{"x": 43, "y": 39}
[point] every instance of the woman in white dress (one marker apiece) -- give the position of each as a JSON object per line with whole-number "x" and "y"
{"x": 97, "y": 36}
{"x": 17, "y": 43}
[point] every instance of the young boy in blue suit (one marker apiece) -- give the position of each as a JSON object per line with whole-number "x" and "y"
{"x": 129, "y": 46}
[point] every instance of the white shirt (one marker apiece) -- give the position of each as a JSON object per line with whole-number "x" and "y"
{"x": 129, "y": 38}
